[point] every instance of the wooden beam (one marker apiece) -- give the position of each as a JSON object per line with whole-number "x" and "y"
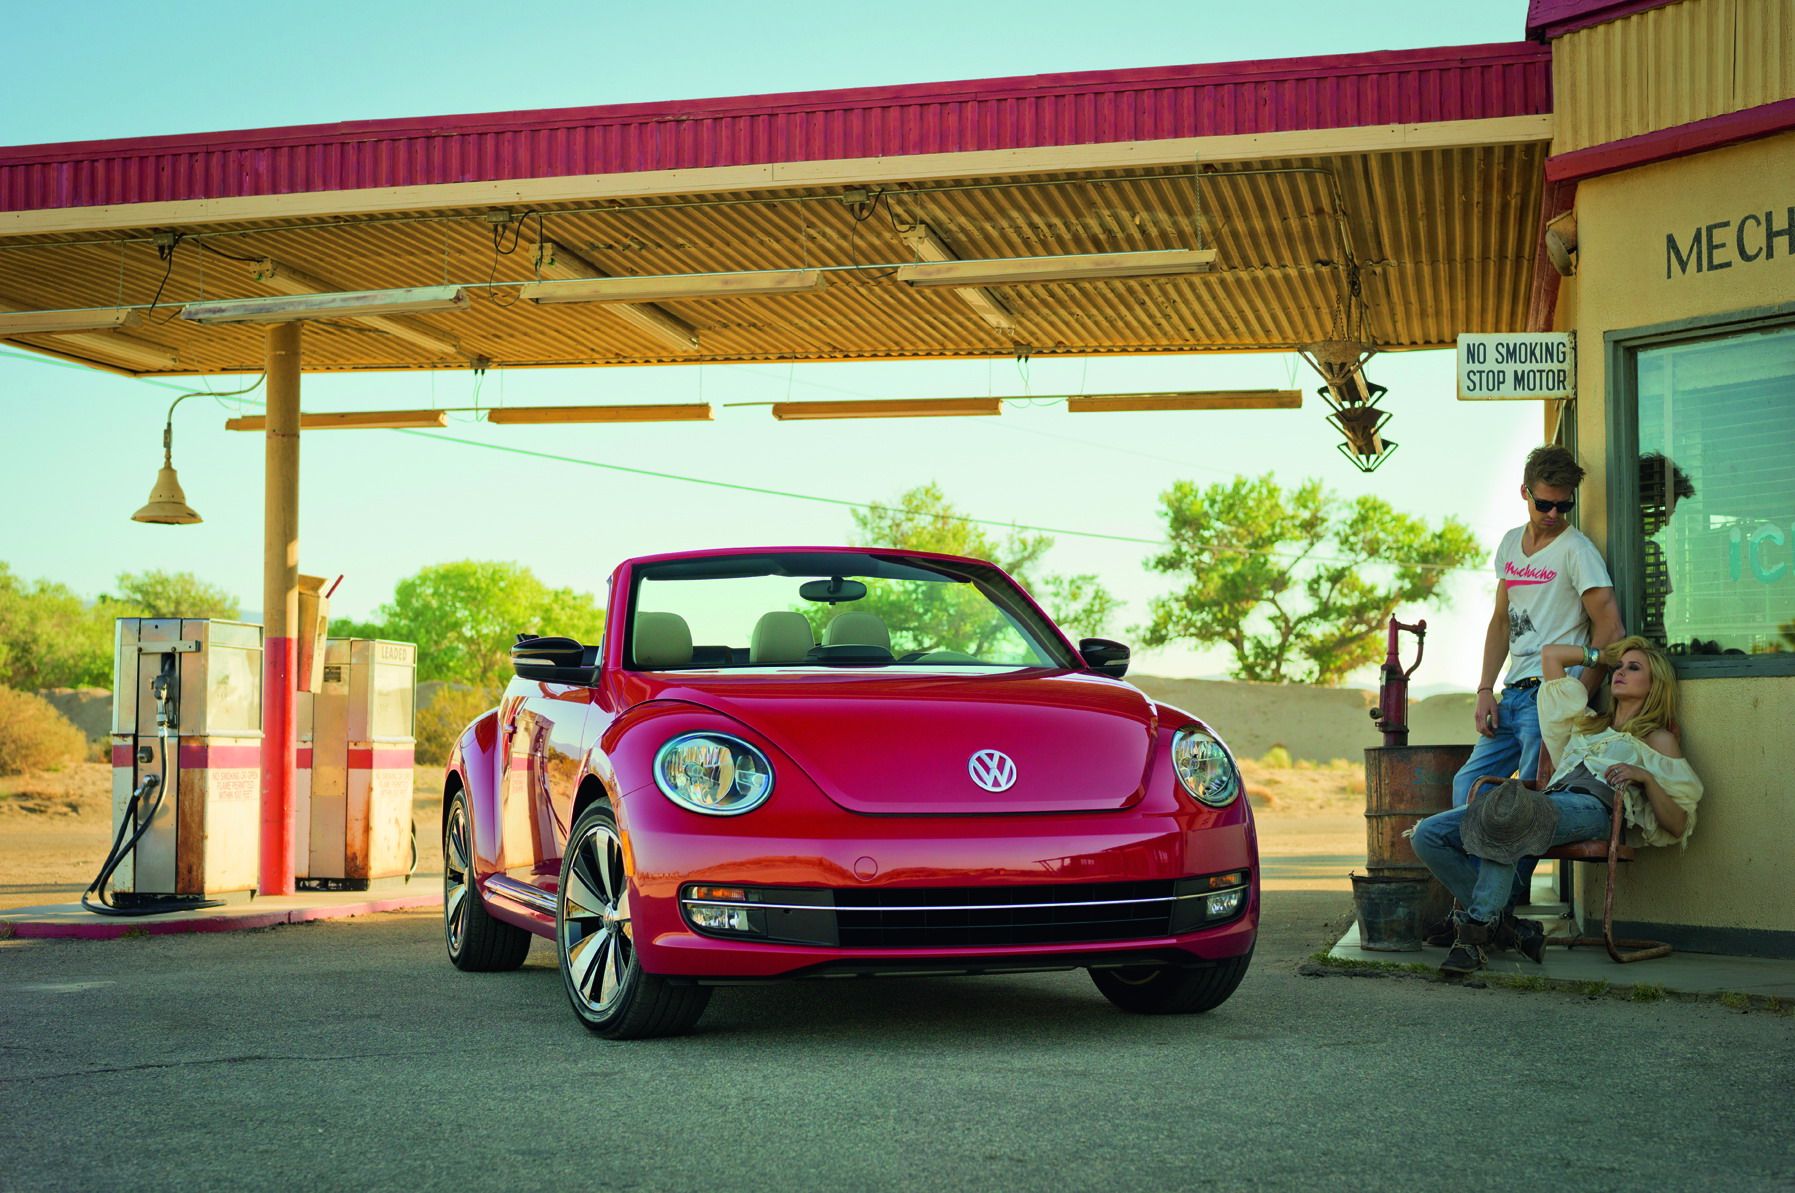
{"x": 1243, "y": 399}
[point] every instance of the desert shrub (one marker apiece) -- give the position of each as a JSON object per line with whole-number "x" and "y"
{"x": 1343, "y": 764}
{"x": 441, "y": 722}
{"x": 1276, "y": 758}
{"x": 34, "y": 736}
{"x": 1355, "y": 782}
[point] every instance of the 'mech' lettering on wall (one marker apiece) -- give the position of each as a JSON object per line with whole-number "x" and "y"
{"x": 1724, "y": 243}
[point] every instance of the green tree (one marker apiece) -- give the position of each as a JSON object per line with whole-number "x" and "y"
{"x": 464, "y": 617}
{"x": 173, "y": 594}
{"x": 51, "y": 638}
{"x": 924, "y": 520}
{"x": 1299, "y": 585}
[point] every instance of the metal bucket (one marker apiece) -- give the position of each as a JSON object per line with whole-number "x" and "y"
{"x": 1403, "y": 786}
{"x": 1391, "y": 911}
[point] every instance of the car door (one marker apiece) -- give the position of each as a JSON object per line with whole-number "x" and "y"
{"x": 544, "y": 726}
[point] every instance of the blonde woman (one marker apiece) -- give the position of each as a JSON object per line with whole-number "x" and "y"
{"x": 1630, "y": 753}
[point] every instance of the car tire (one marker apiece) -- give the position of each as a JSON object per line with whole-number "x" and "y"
{"x": 1171, "y": 989}
{"x": 600, "y": 969}
{"x": 477, "y": 942}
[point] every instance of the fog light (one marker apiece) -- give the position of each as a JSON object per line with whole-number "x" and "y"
{"x": 1224, "y": 903}
{"x": 720, "y": 919}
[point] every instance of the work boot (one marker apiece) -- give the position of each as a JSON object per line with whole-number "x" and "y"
{"x": 1526, "y": 937}
{"x": 1467, "y": 955}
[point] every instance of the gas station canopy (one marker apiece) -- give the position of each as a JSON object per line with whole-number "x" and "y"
{"x": 1416, "y": 176}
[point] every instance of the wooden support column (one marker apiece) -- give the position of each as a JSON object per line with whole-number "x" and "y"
{"x": 280, "y": 605}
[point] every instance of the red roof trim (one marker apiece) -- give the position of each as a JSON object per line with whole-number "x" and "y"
{"x": 1555, "y": 18}
{"x": 1667, "y": 143}
{"x": 1291, "y": 94}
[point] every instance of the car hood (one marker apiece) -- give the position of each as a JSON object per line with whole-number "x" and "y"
{"x": 903, "y": 743}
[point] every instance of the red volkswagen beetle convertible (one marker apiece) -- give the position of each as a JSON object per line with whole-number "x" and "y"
{"x": 820, "y": 761}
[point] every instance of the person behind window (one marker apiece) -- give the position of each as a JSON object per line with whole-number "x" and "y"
{"x": 1661, "y": 485}
{"x": 1629, "y": 753}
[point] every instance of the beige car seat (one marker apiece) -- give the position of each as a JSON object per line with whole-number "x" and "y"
{"x": 859, "y": 629}
{"x": 661, "y": 640}
{"x": 781, "y": 636}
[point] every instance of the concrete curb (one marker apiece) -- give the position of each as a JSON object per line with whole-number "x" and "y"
{"x": 72, "y": 922}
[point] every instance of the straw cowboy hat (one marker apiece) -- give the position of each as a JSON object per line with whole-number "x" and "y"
{"x": 1509, "y": 823}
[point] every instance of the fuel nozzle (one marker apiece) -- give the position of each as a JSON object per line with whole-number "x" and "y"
{"x": 162, "y": 691}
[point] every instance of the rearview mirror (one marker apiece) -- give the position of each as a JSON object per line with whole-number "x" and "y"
{"x": 832, "y": 591}
{"x": 1104, "y": 657}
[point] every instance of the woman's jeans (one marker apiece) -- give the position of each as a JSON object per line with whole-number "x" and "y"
{"x": 1481, "y": 886}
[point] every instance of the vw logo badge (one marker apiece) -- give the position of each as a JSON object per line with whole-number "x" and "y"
{"x": 992, "y": 770}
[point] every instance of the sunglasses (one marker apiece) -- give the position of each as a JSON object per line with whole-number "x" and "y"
{"x": 1546, "y": 507}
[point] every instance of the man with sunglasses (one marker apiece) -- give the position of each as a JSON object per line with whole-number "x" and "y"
{"x": 1552, "y": 587}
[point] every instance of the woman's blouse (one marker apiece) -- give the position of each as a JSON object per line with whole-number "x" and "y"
{"x": 1561, "y": 702}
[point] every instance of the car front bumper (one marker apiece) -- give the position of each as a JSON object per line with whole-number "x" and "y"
{"x": 944, "y": 881}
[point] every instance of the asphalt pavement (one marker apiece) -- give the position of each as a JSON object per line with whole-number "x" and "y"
{"x": 349, "y": 1054}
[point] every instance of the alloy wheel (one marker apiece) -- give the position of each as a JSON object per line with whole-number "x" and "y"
{"x": 456, "y": 867}
{"x": 594, "y": 926}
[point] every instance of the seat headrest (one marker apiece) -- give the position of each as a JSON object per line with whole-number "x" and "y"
{"x": 661, "y": 640}
{"x": 781, "y": 636}
{"x": 859, "y": 629}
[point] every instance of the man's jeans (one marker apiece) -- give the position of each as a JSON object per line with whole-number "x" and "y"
{"x": 1481, "y": 886}
{"x": 1514, "y": 750}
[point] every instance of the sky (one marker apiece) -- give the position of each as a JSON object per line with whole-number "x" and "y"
{"x": 79, "y": 449}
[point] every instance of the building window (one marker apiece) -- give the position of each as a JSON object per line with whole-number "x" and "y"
{"x": 1713, "y": 528}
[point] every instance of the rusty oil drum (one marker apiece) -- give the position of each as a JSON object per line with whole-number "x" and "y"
{"x": 1403, "y": 786}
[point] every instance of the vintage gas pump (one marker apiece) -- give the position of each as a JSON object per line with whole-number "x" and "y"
{"x": 353, "y": 797}
{"x": 186, "y": 755}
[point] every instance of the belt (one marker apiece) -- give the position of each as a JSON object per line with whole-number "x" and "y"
{"x": 1521, "y": 685}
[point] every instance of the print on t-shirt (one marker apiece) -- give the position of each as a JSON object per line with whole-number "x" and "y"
{"x": 1518, "y": 623}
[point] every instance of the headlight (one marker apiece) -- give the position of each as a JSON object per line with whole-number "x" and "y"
{"x": 1204, "y": 767}
{"x": 713, "y": 773}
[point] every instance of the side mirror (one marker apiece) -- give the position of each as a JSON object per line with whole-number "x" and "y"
{"x": 1104, "y": 657}
{"x": 552, "y": 660}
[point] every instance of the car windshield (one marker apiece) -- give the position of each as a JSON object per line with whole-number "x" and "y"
{"x": 807, "y": 609}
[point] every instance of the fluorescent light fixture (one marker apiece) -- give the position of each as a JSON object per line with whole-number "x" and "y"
{"x": 347, "y": 304}
{"x": 111, "y": 349}
{"x": 895, "y": 408}
{"x": 531, "y": 415}
{"x": 278, "y": 275}
{"x": 29, "y": 323}
{"x": 351, "y": 420}
{"x": 1077, "y": 267}
{"x": 987, "y": 305}
{"x": 674, "y": 287}
{"x": 1234, "y": 399}
{"x": 556, "y": 260}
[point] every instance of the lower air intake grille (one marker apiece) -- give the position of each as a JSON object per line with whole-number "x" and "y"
{"x": 962, "y": 917}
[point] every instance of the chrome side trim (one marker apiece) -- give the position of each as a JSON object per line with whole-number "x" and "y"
{"x": 521, "y": 892}
{"x": 955, "y": 906}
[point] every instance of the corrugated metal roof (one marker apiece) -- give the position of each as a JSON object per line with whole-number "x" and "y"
{"x": 1554, "y": 18}
{"x": 1445, "y": 238}
{"x": 1396, "y": 87}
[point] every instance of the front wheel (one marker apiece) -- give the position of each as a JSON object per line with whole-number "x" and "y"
{"x": 1171, "y": 989}
{"x": 604, "y": 979}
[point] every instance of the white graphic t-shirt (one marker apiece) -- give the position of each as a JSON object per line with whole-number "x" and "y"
{"x": 1545, "y": 594}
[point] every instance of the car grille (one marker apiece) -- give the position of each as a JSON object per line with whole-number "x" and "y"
{"x": 962, "y": 917}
